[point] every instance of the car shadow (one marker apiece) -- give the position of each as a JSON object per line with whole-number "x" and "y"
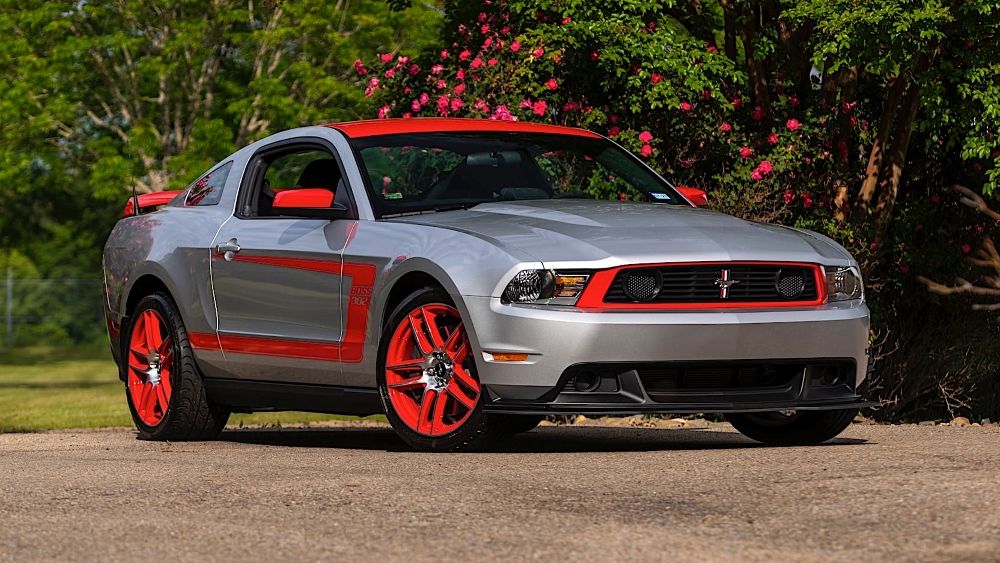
{"x": 541, "y": 440}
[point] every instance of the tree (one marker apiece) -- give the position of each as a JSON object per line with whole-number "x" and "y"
{"x": 103, "y": 95}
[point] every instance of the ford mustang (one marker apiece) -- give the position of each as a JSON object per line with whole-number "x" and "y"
{"x": 468, "y": 278}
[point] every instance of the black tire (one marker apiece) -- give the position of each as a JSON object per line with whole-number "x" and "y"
{"x": 478, "y": 430}
{"x": 510, "y": 424}
{"x": 802, "y": 428}
{"x": 190, "y": 414}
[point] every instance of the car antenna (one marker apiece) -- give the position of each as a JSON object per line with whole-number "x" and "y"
{"x": 131, "y": 176}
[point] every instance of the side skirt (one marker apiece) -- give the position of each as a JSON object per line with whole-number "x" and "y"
{"x": 250, "y": 396}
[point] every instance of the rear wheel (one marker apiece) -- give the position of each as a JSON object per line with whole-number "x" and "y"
{"x": 427, "y": 376}
{"x": 797, "y": 428}
{"x": 163, "y": 386}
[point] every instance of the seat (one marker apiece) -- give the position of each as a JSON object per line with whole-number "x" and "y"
{"x": 320, "y": 173}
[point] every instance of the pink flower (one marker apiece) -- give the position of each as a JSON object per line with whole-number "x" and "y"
{"x": 373, "y": 83}
{"x": 755, "y": 175}
{"x": 686, "y": 106}
{"x": 383, "y": 112}
{"x": 656, "y": 78}
{"x": 793, "y": 125}
{"x": 737, "y": 103}
{"x": 407, "y": 90}
{"x": 525, "y": 104}
{"x": 415, "y": 106}
{"x": 571, "y": 106}
{"x": 414, "y": 69}
{"x": 460, "y": 74}
{"x": 441, "y": 85}
{"x": 614, "y": 131}
{"x": 807, "y": 201}
{"x": 505, "y": 30}
{"x": 552, "y": 84}
{"x": 567, "y": 20}
{"x": 712, "y": 49}
{"x": 645, "y": 136}
{"x": 360, "y": 68}
{"x": 789, "y": 196}
{"x": 793, "y": 101}
{"x": 444, "y": 54}
{"x": 437, "y": 69}
{"x": 539, "y": 108}
{"x": 386, "y": 181}
{"x": 459, "y": 89}
{"x": 646, "y": 151}
{"x": 758, "y": 114}
{"x": 491, "y": 62}
{"x": 481, "y": 17}
{"x": 442, "y": 105}
{"x": 501, "y": 113}
{"x": 487, "y": 43}
{"x": 424, "y": 98}
{"x": 746, "y": 152}
{"x": 765, "y": 167}
{"x": 481, "y": 105}
{"x": 595, "y": 56}
{"x": 464, "y": 55}
{"x": 515, "y": 46}
{"x": 725, "y": 127}
{"x": 476, "y": 62}
{"x": 772, "y": 138}
{"x": 873, "y": 246}
{"x": 966, "y": 248}
{"x": 456, "y": 103}
{"x": 390, "y": 73}
{"x": 484, "y": 29}
{"x": 537, "y": 53}
{"x": 386, "y": 57}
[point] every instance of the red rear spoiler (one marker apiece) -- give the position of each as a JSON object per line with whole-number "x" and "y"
{"x": 149, "y": 202}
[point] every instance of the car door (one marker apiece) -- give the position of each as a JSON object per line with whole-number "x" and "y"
{"x": 279, "y": 281}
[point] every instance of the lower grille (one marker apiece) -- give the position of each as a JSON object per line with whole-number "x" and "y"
{"x": 697, "y": 377}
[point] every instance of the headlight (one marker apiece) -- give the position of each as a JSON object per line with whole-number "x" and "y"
{"x": 843, "y": 283}
{"x": 545, "y": 286}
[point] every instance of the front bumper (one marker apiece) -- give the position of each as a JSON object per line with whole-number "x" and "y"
{"x": 559, "y": 340}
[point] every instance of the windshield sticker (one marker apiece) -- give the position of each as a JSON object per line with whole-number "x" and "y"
{"x": 659, "y": 195}
{"x": 393, "y": 195}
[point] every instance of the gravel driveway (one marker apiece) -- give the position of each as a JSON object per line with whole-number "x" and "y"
{"x": 589, "y": 493}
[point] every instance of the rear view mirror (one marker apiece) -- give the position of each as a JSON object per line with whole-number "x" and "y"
{"x": 308, "y": 202}
{"x": 697, "y": 197}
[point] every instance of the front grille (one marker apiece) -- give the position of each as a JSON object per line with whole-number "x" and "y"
{"x": 670, "y": 377}
{"x": 717, "y": 283}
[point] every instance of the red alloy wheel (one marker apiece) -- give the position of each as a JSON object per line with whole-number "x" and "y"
{"x": 150, "y": 362}
{"x": 429, "y": 371}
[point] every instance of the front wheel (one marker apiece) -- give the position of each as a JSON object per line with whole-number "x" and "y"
{"x": 427, "y": 376}
{"x": 797, "y": 428}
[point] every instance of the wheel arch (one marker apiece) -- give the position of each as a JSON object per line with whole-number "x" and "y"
{"x": 410, "y": 276}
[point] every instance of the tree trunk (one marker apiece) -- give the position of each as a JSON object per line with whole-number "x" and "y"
{"x": 889, "y": 112}
{"x": 756, "y": 68}
{"x": 729, "y": 19}
{"x": 889, "y": 186}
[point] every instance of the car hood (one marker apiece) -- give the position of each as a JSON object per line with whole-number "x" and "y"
{"x": 554, "y": 231}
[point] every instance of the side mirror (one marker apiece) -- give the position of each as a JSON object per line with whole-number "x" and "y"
{"x": 697, "y": 197}
{"x": 308, "y": 202}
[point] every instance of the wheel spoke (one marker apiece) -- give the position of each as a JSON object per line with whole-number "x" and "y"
{"x": 143, "y": 404}
{"x": 408, "y": 383}
{"x": 459, "y": 394}
{"x": 460, "y": 353}
{"x": 150, "y": 329}
{"x": 424, "y": 424}
{"x": 165, "y": 347}
{"x": 432, "y": 328}
{"x": 465, "y": 377}
{"x": 407, "y": 365}
{"x": 454, "y": 342}
{"x": 161, "y": 398}
{"x": 437, "y": 417}
{"x": 423, "y": 343}
{"x": 139, "y": 370}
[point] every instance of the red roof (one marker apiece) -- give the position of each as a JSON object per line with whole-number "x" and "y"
{"x": 374, "y": 127}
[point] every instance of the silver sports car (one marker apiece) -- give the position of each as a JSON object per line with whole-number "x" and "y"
{"x": 468, "y": 278}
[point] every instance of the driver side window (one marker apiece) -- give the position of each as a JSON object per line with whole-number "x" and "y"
{"x": 310, "y": 167}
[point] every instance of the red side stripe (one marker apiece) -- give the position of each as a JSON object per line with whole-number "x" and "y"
{"x": 350, "y": 350}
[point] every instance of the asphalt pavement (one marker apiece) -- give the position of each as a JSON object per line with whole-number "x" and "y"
{"x": 355, "y": 493}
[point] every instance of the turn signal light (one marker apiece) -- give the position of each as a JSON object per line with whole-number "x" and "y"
{"x": 507, "y": 357}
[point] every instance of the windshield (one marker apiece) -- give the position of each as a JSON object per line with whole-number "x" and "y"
{"x": 438, "y": 171}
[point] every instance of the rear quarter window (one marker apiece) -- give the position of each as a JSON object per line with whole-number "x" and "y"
{"x": 207, "y": 190}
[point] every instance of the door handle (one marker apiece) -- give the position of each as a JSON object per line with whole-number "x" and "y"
{"x": 228, "y": 249}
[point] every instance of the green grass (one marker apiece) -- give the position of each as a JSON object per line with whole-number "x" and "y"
{"x": 48, "y": 388}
